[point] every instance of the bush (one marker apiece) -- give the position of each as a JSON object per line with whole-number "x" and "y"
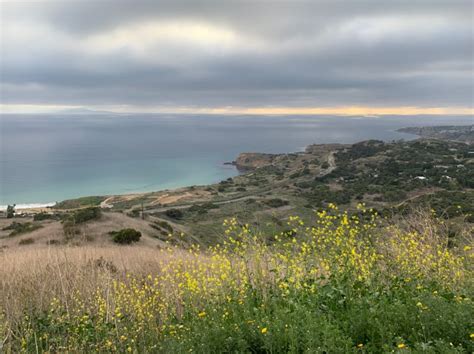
{"x": 325, "y": 165}
{"x": 80, "y": 216}
{"x": 134, "y": 213}
{"x": 53, "y": 242}
{"x": 164, "y": 225}
{"x": 125, "y": 236}
{"x": 43, "y": 216}
{"x": 87, "y": 214}
{"x": 275, "y": 202}
{"x": 174, "y": 214}
{"x": 26, "y": 241}
{"x": 10, "y": 211}
{"x": 18, "y": 228}
{"x": 203, "y": 208}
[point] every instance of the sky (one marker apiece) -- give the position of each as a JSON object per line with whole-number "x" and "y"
{"x": 259, "y": 57}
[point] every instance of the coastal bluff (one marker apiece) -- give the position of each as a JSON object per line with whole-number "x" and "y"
{"x": 247, "y": 161}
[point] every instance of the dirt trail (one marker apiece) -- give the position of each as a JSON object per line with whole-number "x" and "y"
{"x": 332, "y": 164}
{"x": 185, "y": 206}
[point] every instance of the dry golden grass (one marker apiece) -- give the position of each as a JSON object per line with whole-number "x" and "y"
{"x": 93, "y": 233}
{"x": 31, "y": 277}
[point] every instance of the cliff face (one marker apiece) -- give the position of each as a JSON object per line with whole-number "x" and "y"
{"x": 250, "y": 160}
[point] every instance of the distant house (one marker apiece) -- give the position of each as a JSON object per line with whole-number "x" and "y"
{"x": 422, "y": 178}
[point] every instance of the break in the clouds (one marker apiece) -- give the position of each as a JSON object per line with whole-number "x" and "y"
{"x": 199, "y": 54}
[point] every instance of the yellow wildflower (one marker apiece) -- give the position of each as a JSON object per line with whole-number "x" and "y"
{"x": 264, "y": 330}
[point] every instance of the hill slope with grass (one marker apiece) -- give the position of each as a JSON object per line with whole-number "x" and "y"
{"x": 262, "y": 263}
{"x": 343, "y": 283}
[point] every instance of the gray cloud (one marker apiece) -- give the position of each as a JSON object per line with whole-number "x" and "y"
{"x": 220, "y": 53}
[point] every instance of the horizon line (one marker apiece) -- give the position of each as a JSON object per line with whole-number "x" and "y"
{"x": 353, "y": 110}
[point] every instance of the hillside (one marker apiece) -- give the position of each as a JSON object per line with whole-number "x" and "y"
{"x": 391, "y": 177}
{"x": 261, "y": 263}
{"x": 340, "y": 283}
{"x": 451, "y": 132}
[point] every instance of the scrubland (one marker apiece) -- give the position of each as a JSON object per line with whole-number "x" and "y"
{"x": 343, "y": 283}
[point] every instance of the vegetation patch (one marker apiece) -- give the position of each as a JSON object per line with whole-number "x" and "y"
{"x": 203, "y": 208}
{"x": 275, "y": 202}
{"x": 26, "y": 241}
{"x": 18, "y": 228}
{"x": 80, "y": 202}
{"x": 342, "y": 284}
{"x": 174, "y": 214}
{"x": 164, "y": 225}
{"x": 84, "y": 215}
{"x": 71, "y": 222}
{"x": 45, "y": 216}
{"x": 126, "y": 236}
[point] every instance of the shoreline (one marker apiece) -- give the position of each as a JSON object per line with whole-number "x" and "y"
{"x": 29, "y": 206}
{"x": 225, "y": 164}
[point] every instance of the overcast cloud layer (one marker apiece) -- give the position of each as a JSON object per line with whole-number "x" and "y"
{"x": 223, "y": 53}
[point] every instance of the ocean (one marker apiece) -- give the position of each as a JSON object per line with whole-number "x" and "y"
{"x": 48, "y": 158}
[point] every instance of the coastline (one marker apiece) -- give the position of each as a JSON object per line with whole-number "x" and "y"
{"x": 243, "y": 163}
{"x": 164, "y": 163}
{"x": 29, "y": 206}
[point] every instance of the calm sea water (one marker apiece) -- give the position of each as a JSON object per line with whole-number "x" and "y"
{"x": 48, "y": 158}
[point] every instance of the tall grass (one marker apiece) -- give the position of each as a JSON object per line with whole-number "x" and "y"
{"x": 345, "y": 283}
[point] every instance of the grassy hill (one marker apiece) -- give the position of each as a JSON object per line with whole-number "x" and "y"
{"x": 343, "y": 284}
{"x": 261, "y": 263}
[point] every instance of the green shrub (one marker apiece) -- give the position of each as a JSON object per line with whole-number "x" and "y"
{"x": 203, "y": 208}
{"x": 164, "y": 225}
{"x": 71, "y": 221}
{"x": 275, "y": 202}
{"x": 10, "y": 211}
{"x": 44, "y": 216}
{"x": 125, "y": 236}
{"x": 134, "y": 213}
{"x": 87, "y": 214}
{"x": 174, "y": 214}
{"x": 80, "y": 202}
{"x": 18, "y": 228}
